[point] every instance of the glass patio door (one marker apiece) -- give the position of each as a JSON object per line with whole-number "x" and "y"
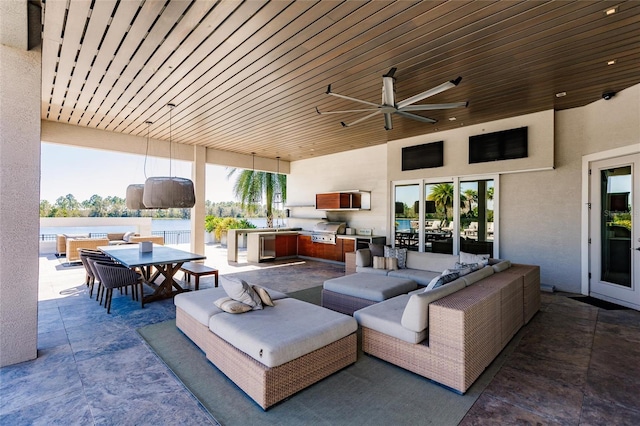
{"x": 615, "y": 230}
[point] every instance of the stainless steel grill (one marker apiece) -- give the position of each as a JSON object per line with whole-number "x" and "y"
{"x": 325, "y": 232}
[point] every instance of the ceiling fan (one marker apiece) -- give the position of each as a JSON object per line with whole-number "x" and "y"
{"x": 403, "y": 108}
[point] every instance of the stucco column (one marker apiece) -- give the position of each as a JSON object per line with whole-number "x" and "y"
{"x": 20, "y": 71}
{"x": 199, "y": 177}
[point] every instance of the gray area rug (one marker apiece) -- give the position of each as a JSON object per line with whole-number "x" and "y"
{"x": 369, "y": 392}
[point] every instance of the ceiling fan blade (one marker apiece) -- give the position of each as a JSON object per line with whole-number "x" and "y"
{"x": 416, "y": 117}
{"x": 360, "y": 119}
{"x": 388, "y": 121}
{"x": 431, "y": 92}
{"x": 431, "y": 107}
{"x": 344, "y": 111}
{"x": 388, "y": 95}
{"x": 329, "y": 92}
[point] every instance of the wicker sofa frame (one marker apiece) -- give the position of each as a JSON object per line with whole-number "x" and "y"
{"x": 467, "y": 330}
{"x": 343, "y": 303}
{"x": 73, "y": 244}
{"x": 268, "y": 385}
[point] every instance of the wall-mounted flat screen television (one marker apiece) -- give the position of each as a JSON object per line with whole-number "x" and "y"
{"x": 503, "y": 145}
{"x": 425, "y": 156}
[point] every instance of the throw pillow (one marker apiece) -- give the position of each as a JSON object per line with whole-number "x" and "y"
{"x": 398, "y": 253}
{"x": 239, "y": 290}
{"x": 363, "y": 257}
{"x": 391, "y": 263}
{"x": 128, "y": 235}
{"x": 227, "y": 304}
{"x": 468, "y": 258}
{"x": 441, "y": 280}
{"x": 376, "y": 249}
{"x": 265, "y": 297}
{"x": 378, "y": 262}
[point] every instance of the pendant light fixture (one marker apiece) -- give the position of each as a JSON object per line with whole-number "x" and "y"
{"x": 135, "y": 191}
{"x": 170, "y": 191}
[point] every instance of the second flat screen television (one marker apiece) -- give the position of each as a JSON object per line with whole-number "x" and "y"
{"x": 503, "y": 145}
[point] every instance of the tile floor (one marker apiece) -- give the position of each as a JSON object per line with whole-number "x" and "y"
{"x": 575, "y": 364}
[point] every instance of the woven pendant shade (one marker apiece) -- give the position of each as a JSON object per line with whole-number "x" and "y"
{"x": 168, "y": 192}
{"x": 134, "y": 197}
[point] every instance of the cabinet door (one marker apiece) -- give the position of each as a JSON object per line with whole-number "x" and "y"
{"x": 292, "y": 245}
{"x": 281, "y": 246}
{"x": 305, "y": 246}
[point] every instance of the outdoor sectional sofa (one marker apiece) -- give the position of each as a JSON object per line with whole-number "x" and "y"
{"x": 270, "y": 353}
{"x": 449, "y": 334}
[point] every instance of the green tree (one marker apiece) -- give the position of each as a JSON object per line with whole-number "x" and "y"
{"x": 67, "y": 206}
{"x": 442, "y": 194}
{"x": 45, "y": 208}
{"x": 251, "y": 186}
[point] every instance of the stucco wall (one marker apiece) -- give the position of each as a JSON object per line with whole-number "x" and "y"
{"x": 363, "y": 169}
{"x": 541, "y": 212}
{"x": 19, "y": 201}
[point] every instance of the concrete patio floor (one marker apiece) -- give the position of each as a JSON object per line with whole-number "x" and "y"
{"x": 575, "y": 363}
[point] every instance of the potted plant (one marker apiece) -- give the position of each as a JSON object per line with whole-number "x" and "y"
{"x": 210, "y": 224}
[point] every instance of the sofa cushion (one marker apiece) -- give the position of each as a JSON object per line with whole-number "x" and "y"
{"x": 291, "y": 329}
{"x": 371, "y": 270}
{"x": 436, "y": 262}
{"x": 501, "y": 266}
{"x": 478, "y": 275}
{"x": 231, "y": 306}
{"x": 363, "y": 257}
{"x": 468, "y": 258}
{"x": 239, "y": 290}
{"x": 415, "y": 316}
{"x": 199, "y": 304}
{"x": 399, "y": 253}
{"x": 421, "y": 277}
{"x": 370, "y": 286}
{"x": 386, "y": 318}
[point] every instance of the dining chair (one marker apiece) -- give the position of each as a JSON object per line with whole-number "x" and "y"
{"x": 113, "y": 275}
{"x": 90, "y": 273}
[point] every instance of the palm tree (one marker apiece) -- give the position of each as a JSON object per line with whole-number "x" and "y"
{"x": 252, "y": 185}
{"x": 442, "y": 194}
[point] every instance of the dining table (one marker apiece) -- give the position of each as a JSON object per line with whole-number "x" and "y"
{"x": 158, "y": 267}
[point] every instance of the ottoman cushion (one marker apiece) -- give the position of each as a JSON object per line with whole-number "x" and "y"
{"x": 370, "y": 286}
{"x": 199, "y": 304}
{"x": 279, "y": 334}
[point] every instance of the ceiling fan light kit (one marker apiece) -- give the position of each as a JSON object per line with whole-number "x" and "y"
{"x": 403, "y": 108}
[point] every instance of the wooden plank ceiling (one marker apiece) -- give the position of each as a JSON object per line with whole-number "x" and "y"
{"x": 247, "y": 76}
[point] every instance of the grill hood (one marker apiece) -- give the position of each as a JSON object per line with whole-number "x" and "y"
{"x": 330, "y": 227}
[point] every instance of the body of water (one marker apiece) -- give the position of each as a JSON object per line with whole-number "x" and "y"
{"x": 157, "y": 225}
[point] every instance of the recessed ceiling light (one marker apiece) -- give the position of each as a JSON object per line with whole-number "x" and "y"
{"x": 611, "y": 11}
{"x": 561, "y": 94}
{"x": 452, "y": 119}
{"x": 611, "y": 62}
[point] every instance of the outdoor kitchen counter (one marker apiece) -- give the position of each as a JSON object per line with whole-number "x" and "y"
{"x": 271, "y": 244}
{"x": 232, "y": 238}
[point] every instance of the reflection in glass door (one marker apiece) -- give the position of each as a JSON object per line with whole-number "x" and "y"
{"x": 476, "y": 216}
{"x": 407, "y": 216}
{"x": 438, "y": 217}
{"x": 615, "y": 235}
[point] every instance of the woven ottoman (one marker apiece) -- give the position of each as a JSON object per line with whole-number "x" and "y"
{"x": 352, "y": 292}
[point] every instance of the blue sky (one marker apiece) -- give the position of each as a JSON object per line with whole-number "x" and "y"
{"x": 84, "y": 172}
